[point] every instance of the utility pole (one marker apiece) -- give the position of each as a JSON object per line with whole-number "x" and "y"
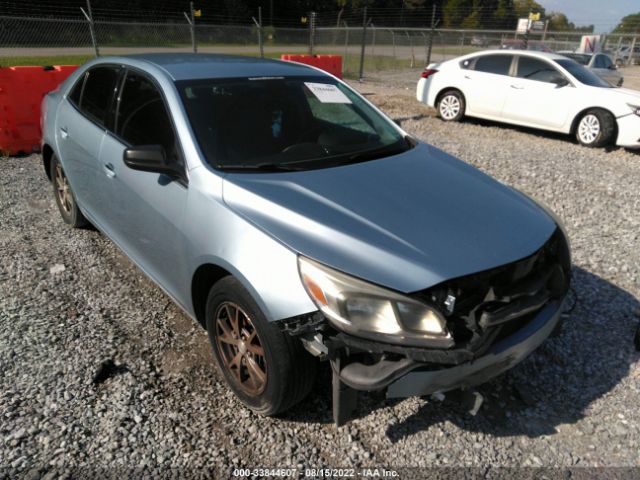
{"x": 364, "y": 41}
{"x": 271, "y": 12}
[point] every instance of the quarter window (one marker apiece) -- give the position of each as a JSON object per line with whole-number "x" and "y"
{"x": 99, "y": 86}
{"x": 76, "y": 92}
{"x": 498, "y": 64}
{"x": 536, "y": 69}
{"x": 141, "y": 117}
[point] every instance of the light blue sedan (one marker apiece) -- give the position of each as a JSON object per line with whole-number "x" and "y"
{"x": 295, "y": 222}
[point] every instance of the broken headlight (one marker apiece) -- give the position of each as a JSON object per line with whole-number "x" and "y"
{"x": 369, "y": 311}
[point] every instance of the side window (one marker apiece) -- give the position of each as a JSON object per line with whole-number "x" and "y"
{"x": 606, "y": 61}
{"x": 76, "y": 91}
{"x": 99, "y": 86}
{"x": 597, "y": 62}
{"x": 535, "y": 69}
{"x": 498, "y": 64}
{"x": 142, "y": 118}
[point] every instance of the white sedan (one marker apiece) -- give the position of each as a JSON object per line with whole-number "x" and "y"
{"x": 533, "y": 89}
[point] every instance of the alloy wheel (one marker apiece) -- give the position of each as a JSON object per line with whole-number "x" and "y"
{"x": 449, "y": 107}
{"x": 63, "y": 190}
{"x": 240, "y": 348}
{"x": 589, "y": 129}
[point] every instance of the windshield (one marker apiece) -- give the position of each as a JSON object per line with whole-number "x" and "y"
{"x": 582, "y": 74}
{"x": 292, "y": 123}
{"x": 581, "y": 58}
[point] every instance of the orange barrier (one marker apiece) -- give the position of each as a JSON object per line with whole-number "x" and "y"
{"x": 21, "y": 93}
{"x": 328, "y": 63}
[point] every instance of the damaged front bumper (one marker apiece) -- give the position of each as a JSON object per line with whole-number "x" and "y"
{"x": 405, "y": 377}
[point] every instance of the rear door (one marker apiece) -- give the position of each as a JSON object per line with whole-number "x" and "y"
{"x": 80, "y": 129}
{"x": 486, "y": 83}
{"x": 146, "y": 210}
{"x": 534, "y": 95}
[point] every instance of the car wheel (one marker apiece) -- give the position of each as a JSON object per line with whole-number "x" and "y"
{"x": 65, "y": 199}
{"x": 267, "y": 369}
{"x": 595, "y": 128}
{"x": 451, "y": 106}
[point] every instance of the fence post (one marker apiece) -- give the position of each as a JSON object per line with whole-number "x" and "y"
{"x": 89, "y": 17}
{"x": 364, "y": 40}
{"x": 431, "y": 33}
{"x": 259, "y": 25}
{"x": 312, "y": 31}
{"x": 192, "y": 24}
{"x": 393, "y": 40}
{"x": 631, "y": 51}
{"x": 373, "y": 40}
{"x": 346, "y": 47}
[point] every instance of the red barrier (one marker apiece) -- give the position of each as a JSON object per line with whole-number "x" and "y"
{"x": 21, "y": 93}
{"x": 328, "y": 63}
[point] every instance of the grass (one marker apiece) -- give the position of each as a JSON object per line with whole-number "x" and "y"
{"x": 44, "y": 60}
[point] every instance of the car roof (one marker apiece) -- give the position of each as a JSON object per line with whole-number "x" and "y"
{"x": 193, "y": 66}
{"x": 531, "y": 53}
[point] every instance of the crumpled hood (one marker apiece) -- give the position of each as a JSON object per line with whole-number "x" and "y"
{"x": 406, "y": 222}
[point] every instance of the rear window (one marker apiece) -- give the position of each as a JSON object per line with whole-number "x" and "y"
{"x": 498, "y": 64}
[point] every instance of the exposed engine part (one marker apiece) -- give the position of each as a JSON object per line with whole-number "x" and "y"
{"x": 450, "y": 304}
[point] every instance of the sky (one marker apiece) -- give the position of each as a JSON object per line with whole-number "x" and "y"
{"x": 605, "y": 15}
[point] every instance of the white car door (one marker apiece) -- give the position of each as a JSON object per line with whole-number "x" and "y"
{"x": 539, "y": 94}
{"x": 485, "y": 84}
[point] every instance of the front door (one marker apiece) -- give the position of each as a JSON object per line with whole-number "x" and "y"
{"x": 146, "y": 210}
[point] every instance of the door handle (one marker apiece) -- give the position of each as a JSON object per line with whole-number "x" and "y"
{"x": 109, "y": 170}
{"x": 64, "y": 133}
{"x": 468, "y": 77}
{"x": 517, "y": 87}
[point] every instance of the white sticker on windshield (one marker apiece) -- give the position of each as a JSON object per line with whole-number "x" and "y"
{"x": 327, "y": 93}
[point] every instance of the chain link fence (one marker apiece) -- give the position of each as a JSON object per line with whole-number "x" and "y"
{"x": 44, "y": 41}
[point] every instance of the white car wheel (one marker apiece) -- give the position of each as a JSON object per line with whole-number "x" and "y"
{"x": 588, "y": 129}
{"x": 596, "y": 128}
{"x": 450, "y": 107}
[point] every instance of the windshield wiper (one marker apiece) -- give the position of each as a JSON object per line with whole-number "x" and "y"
{"x": 262, "y": 167}
{"x": 385, "y": 151}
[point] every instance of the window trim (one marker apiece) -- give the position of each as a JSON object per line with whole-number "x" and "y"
{"x": 184, "y": 178}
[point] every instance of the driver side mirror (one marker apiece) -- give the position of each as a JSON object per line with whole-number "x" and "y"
{"x": 613, "y": 67}
{"x": 149, "y": 158}
{"x": 560, "y": 82}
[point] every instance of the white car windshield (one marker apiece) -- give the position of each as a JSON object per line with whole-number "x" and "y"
{"x": 285, "y": 123}
{"x": 583, "y": 75}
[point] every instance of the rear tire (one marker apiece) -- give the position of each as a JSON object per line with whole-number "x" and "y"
{"x": 65, "y": 198}
{"x": 451, "y": 106}
{"x": 267, "y": 369}
{"x": 595, "y": 128}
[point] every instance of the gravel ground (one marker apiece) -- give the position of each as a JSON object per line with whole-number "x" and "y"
{"x": 101, "y": 372}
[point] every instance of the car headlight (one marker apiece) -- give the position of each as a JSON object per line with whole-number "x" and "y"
{"x": 635, "y": 109}
{"x": 373, "y": 312}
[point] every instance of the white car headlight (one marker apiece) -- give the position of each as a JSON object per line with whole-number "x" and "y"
{"x": 373, "y": 312}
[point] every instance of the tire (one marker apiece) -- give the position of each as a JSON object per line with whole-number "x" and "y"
{"x": 451, "y": 106}
{"x": 65, "y": 198}
{"x": 595, "y": 128}
{"x": 288, "y": 370}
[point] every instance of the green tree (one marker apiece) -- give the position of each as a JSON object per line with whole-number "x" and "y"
{"x": 629, "y": 24}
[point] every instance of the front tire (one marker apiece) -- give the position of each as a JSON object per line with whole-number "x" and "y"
{"x": 267, "y": 369}
{"x": 65, "y": 198}
{"x": 451, "y": 106}
{"x": 595, "y": 128}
